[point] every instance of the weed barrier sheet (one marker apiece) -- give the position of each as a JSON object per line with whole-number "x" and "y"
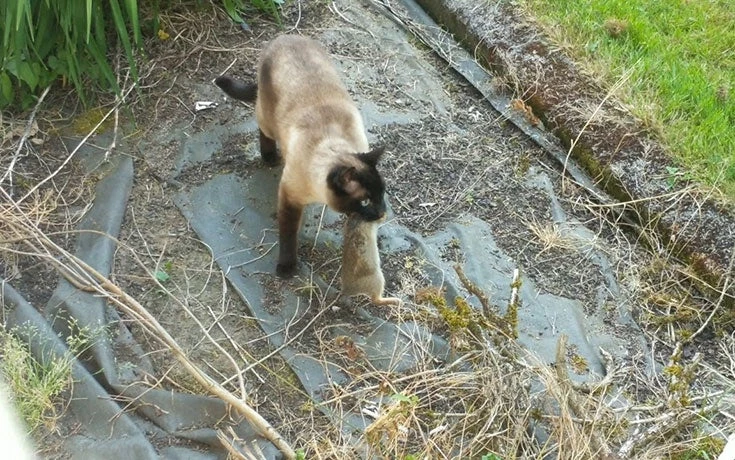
{"x": 112, "y": 412}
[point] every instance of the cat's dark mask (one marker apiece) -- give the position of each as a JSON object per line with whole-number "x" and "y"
{"x": 359, "y": 190}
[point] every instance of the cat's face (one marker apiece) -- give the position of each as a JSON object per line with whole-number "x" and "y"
{"x": 359, "y": 189}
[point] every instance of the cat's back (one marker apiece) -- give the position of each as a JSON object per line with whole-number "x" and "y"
{"x": 293, "y": 66}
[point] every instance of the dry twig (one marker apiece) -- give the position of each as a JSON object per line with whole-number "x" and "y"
{"x": 86, "y": 278}
{"x": 21, "y": 143}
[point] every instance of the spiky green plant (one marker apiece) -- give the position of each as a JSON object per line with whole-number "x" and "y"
{"x": 46, "y": 40}
{"x": 270, "y": 7}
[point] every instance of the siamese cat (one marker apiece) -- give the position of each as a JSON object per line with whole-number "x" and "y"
{"x": 302, "y": 106}
{"x": 361, "y": 273}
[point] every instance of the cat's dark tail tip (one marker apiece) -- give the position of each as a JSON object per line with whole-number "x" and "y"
{"x": 237, "y": 89}
{"x": 223, "y": 81}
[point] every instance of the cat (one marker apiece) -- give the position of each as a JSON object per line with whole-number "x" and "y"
{"x": 361, "y": 273}
{"x": 302, "y": 106}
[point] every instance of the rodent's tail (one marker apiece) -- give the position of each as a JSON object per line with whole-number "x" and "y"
{"x": 237, "y": 89}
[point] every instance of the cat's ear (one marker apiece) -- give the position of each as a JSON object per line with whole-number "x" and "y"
{"x": 344, "y": 179}
{"x": 371, "y": 158}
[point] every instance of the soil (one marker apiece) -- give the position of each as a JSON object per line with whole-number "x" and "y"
{"x": 449, "y": 155}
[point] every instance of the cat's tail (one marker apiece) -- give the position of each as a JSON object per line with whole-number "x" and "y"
{"x": 237, "y": 89}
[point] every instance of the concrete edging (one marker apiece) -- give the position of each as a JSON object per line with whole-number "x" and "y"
{"x": 622, "y": 160}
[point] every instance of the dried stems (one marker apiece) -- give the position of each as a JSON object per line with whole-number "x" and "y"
{"x": 9, "y": 172}
{"x": 86, "y": 278}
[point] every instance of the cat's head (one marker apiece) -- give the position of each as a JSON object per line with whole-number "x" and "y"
{"x": 357, "y": 186}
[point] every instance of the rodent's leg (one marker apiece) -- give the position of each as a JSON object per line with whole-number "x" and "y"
{"x": 387, "y": 301}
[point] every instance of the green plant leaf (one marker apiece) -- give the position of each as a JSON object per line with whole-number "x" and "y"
{"x": 53, "y": 63}
{"x": 27, "y": 75}
{"x": 232, "y": 6}
{"x": 490, "y": 456}
{"x": 6, "y": 89}
{"x": 46, "y": 39}
{"x": 103, "y": 66}
{"x": 132, "y": 9}
{"x": 162, "y": 276}
{"x": 400, "y": 397}
{"x": 9, "y": 14}
{"x": 89, "y": 19}
{"x": 122, "y": 33}
{"x": 20, "y": 13}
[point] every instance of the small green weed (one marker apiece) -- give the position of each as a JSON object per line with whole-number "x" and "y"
{"x": 163, "y": 274}
{"x": 36, "y": 387}
{"x": 491, "y": 456}
{"x": 411, "y": 400}
{"x": 675, "y": 175}
{"x": 707, "y": 448}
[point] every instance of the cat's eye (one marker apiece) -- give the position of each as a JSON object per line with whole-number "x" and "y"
{"x": 364, "y": 203}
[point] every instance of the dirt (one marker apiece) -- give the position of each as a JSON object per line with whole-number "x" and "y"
{"x": 449, "y": 155}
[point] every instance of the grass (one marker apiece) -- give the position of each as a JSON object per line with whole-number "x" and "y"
{"x": 35, "y": 387}
{"x": 682, "y": 57}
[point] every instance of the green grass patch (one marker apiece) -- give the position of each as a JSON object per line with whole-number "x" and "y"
{"x": 681, "y": 55}
{"x": 35, "y": 387}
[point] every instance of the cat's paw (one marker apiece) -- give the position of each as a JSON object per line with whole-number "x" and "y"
{"x": 286, "y": 270}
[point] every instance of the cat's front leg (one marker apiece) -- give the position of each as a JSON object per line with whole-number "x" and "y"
{"x": 289, "y": 222}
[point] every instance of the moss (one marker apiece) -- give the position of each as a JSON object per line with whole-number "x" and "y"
{"x": 517, "y": 283}
{"x": 458, "y": 318}
{"x": 462, "y": 320}
{"x": 670, "y": 308}
{"x": 454, "y": 243}
{"x": 85, "y": 122}
{"x": 467, "y": 325}
{"x": 307, "y": 407}
{"x": 706, "y": 447}
{"x": 724, "y": 321}
{"x": 684, "y": 334}
{"x": 579, "y": 364}
{"x": 431, "y": 295}
{"x": 674, "y": 370}
{"x": 524, "y": 164}
{"x": 681, "y": 377}
{"x": 511, "y": 319}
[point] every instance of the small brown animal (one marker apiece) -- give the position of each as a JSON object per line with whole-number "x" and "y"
{"x": 302, "y": 105}
{"x": 361, "y": 273}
